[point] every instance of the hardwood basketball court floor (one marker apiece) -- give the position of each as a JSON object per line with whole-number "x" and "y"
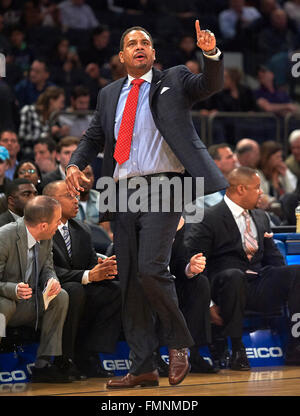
{"x": 260, "y": 381}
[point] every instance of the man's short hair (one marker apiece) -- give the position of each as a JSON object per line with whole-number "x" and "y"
{"x": 67, "y": 141}
{"x": 213, "y": 150}
{"x": 241, "y": 175}
{"x": 80, "y": 91}
{"x": 8, "y": 131}
{"x": 13, "y": 186}
{"x": 140, "y": 28}
{"x": 50, "y": 143}
{"x": 40, "y": 209}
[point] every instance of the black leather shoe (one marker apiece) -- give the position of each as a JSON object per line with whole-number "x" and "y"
{"x": 67, "y": 366}
{"x": 292, "y": 356}
{"x": 49, "y": 374}
{"x": 162, "y": 368}
{"x": 92, "y": 367}
{"x": 200, "y": 365}
{"x": 239, "y": 361}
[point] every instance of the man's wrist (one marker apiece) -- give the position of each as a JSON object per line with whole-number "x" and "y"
{"x": 75, "y": 166}
{"x": 211, "y": 52}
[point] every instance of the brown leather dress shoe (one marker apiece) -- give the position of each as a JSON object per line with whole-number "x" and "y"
{"x": 130, "y": 380}
{"x": 179, "y": 365}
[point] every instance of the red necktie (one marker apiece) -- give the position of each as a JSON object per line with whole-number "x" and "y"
{"x": 122, "y": 149}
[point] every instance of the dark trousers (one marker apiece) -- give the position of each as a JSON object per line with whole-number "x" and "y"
{"x": 143, "y": 243}
{"x": 235, "y": 291}
{"x": 93, "y": 322}
{"x": 194, "y": 300}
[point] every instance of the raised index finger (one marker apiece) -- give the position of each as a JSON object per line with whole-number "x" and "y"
{"x": 197, "y": 26}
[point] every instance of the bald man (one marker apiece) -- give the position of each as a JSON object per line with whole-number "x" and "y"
{"x": 247, "y": 152}
{"x": 244, "y": 266}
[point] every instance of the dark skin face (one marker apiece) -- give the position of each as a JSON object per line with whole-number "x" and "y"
{"x": 17, "y": 202}
{"x": 138, "y": 54}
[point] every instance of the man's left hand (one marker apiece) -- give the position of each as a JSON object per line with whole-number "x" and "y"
{"x": 205, "y": 39}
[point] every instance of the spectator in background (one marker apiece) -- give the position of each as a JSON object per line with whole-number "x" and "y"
{"x": 4, "y": 181}
{"x": 45, "y": 155}
{"x": 99, "y": 50}
{"x": 186, "y": 50}
{"x": 269, "y": 98}
{"x": 9, "y": 111}
{"x": 66, "y": 69}
{"x": 224, "y": 158}
{"x": 29, "y": 170}
{"x": 9, "y": 140}
{"x": 235, "y": 96}
{"x": 23, "y": 55}
{"x": 292, "y": 9}
{"x": 278, "y": 37}
{"x": 64, "y": 150}
{"x": 235, "y": 19}
{"x": 28, "y": 90}
{"x": 80, "y": 101}
{"x": 35, "y": 119}
{"x": 10, "y": 10}
{"x": 275, "y": 177}
{"x": 293, "y": 160}
{"x": 75, "y": 14}
{"x": 18, "y": 193}
{"x": 247, "y": 152}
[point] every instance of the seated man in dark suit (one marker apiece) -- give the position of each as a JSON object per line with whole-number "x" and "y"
{"x": 93, "y": 322}
{"x": 18, "y": 193}
{"x": 245, "y": 268}
{"x": 193, "y": 293}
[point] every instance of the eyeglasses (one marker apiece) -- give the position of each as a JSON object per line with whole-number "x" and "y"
{"x": 68, "y": 196}
{"x": 23, "y": 171}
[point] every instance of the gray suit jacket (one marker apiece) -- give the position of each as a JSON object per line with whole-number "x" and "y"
{"x": 13, "y": 259}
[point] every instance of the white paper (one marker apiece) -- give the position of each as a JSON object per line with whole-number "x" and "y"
{"x": 47, "y": 299}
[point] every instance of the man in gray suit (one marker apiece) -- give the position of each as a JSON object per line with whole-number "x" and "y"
{"x": 26, "y": 266}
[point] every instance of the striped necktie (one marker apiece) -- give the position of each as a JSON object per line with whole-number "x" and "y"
{"x": 67, "y": 239}
{"x": 250, "y": 242}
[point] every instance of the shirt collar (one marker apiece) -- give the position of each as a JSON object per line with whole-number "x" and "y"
{"x": 61, "y": 225}
{"x": 235, "y": 209}
{"x": 147, "y": 77}
{"x": 16, "y": 216}
{"x": 31, "y": 241}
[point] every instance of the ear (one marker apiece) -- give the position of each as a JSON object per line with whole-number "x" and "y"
{"x": 240, "y": 189}
{"x": 11, "y": 201}
{"x": 121, "y": 53}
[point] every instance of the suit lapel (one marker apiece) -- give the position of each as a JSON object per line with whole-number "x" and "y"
{"x": 259, "y": 228}
{"x": 232, "y": 228}
{"x": 60, "y": 242}
{"x": 113, "y": 99}
{"x": 155, "y": 84}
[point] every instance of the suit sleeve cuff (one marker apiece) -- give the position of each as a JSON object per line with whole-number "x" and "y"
{"x": 85, "y": 278}
{"x": 215, "y": 57}
{"x": 188, "y": 273}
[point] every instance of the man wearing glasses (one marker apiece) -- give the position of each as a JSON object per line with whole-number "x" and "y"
{"x": 93, "y": 322}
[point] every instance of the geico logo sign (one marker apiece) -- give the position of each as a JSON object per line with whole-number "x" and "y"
{"x": 17, "y": 375}
{"x": 116, "y": 364}
{"x": 264, "y": 352}
{"x": 13, "y": 388}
